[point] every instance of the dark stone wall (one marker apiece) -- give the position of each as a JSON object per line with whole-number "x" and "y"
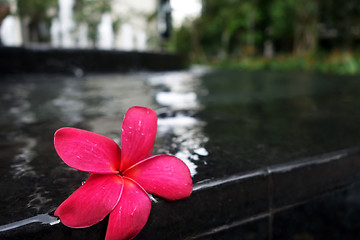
{"x": 23, "y": 60}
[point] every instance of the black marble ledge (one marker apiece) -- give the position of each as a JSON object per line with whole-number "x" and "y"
{"x": 79, "y": 61}
{"x": 299, "y": 181}
{"x": 214, "y": 206}
{"x": 333, "y": 216}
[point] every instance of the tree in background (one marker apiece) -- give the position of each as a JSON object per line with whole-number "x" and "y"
{"x": 4, "y": 11}
{"x": 281, "y": 16}
{"x": 341, "y": 21}
{"x": 36, "y": 16}
{"x": 305, "y": 26}
{"x": 233, "y": 29}
{"x": 90, "y": 12}
{"x": 228, "y": 27}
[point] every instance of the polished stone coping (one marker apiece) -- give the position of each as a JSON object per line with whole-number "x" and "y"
{"x": 82, "y": 61}
{"x": 220, "y": 204}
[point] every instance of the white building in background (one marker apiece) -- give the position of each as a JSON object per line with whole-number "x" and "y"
{"x": 183, "y": 10}
{"x": 106, "y": 34}
{"x": 135, "y": 31}
{"x": 132, "y": 33}
{"x": 10, "y": 30}
{"x": 66, "y": 23}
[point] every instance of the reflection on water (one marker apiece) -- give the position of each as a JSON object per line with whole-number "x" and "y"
{"x": 69, "y": 102}
{"x": 187, "y": 139}
{"x": 179, "y": 90}
{"x": 20, "y": 109}
{"x": 21, "y": 113}
{"x": 38, "y": 199}
{"x": 178, "y": 93}
{"x": 21, "y": 165}
{"x": 108, "y": 97}
{"x": 178, "y": 100}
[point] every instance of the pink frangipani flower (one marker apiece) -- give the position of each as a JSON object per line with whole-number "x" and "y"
{"x": 120, "y": 179}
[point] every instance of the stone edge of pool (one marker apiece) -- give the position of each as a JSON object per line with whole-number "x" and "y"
{"x": 220, "y": 204}
{"x": 19, "y": 60}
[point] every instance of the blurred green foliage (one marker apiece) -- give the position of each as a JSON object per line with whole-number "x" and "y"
{"x": 38, "y": 13}
{"x": 181, "y": 41}
{"x": 36, "y": 9}
{"x": 308, "y": 34}
{"x": 327, "y": 62}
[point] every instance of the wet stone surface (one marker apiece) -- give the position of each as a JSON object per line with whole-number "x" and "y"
{"x": 330, "y": 217}
{"x": 231, "y": 128}
{"x": 261, "y": 119}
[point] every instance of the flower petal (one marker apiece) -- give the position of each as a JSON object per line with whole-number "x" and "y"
{"x": 130, "y": 214}
{"x": 163, "y": 175}
{"x": 138, "y": 134}
{"x": 87, "y": 151}
{"x": 92, "y": 202}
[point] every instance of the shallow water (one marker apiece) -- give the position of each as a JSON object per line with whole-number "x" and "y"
{"x": 219, "y": 123}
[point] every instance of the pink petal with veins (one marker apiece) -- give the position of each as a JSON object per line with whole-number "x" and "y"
{"x": 163, "y": 175}
{"x": 92, "y": 202}
{"x": 130, "y": 214}
{"x": 87, "y": 151}
{"x": 137, "y": 135}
